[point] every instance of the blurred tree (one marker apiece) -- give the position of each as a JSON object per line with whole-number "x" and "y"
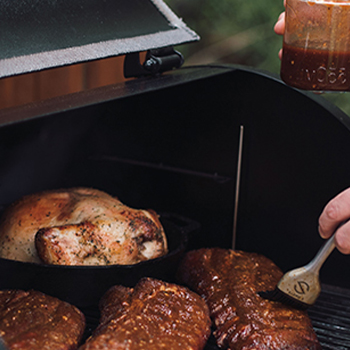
{"x": 232, "y": 31}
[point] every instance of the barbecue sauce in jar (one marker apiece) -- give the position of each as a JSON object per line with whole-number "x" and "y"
{"x": 316, "y": 45}
{"x": 315, "y": 69}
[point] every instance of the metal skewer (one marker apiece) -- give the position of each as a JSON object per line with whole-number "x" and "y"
{"x": 238, "y": 183}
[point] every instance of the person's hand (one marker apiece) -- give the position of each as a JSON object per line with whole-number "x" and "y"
{"x": 280, "y": 26}
{"x": 336, "y": 212}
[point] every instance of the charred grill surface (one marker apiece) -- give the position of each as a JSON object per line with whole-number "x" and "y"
{"x": 229, "y": 281}
{"x": 330, "y": 317}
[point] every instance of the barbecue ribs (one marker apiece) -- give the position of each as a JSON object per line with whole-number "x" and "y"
{"x": 229, "y": 282}
{"x": 35, "y": 321}
{"x": 154, "y": 315}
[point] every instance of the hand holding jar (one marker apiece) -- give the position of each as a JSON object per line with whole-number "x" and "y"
{"x": 316, "y": 44}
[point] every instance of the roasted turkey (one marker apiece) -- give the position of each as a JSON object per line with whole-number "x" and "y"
{"x": 79, "y": 226}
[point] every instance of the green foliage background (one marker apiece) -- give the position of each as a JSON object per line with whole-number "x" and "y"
{"x": 237, "y": 32}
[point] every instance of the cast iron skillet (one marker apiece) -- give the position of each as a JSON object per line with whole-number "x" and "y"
{"x": 83, "y": 286}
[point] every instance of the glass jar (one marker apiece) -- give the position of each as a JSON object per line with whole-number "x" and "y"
{"x": 316, "y": 45}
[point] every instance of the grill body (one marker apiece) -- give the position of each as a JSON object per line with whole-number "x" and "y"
{"x": 171, "y": 143}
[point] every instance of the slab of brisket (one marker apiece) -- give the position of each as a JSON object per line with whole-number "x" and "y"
{"x": 229, "y": 281}
{"x": 153, "y": 315}
{"x": 35, "y": 321}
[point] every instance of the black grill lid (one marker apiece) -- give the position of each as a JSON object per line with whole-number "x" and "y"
{"x": 40, "y": 34}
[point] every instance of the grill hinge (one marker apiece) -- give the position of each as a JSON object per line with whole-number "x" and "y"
{"x": 157, "y": 61}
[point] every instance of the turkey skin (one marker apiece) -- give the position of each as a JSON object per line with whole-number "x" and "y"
{"x": 79, "y": 226}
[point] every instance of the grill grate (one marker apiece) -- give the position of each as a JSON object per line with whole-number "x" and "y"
{"x": 330, "y": 317}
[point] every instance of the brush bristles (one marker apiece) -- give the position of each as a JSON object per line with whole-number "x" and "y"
{"x": 278, "y": 295}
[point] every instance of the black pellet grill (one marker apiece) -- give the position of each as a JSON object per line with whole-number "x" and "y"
{"x": 250, "y": 159}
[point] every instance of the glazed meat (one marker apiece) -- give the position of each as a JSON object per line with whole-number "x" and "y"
{"x": 79, "y": 226}
{"x": 153, "y": 315}
{"x": 229, "y": 282}
{"x": 35, "y": 321}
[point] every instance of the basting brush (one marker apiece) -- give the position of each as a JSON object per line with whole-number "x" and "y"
{"x": 301, "y": 287}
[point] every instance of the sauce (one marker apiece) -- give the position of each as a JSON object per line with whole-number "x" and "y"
{"x": 316, "y": 69}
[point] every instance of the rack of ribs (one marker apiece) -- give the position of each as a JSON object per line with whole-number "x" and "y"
{"x": 152, "y": 315}
{"x": 229, "y": 282}
{"x": 31, "y": 320}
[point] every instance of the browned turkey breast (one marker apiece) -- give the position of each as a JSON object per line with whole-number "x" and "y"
{"x": 79, "y": 226}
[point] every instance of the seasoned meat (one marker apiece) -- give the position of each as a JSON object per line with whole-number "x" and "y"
{"x": 229, "y": 281}
{"x": 35, "y": 321}
{"x": 79, "y": 226}
{"x": 153, "y": 315}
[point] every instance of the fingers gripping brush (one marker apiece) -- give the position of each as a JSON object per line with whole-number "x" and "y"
{"x": 301, "y": 287}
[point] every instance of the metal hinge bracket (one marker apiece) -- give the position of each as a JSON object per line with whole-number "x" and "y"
{"x": 157, "y": 61}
